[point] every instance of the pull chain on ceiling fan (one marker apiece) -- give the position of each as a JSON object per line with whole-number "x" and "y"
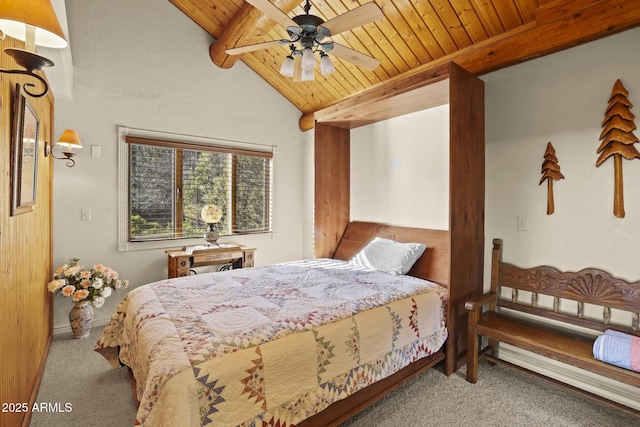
{"x": 308, "y": 35}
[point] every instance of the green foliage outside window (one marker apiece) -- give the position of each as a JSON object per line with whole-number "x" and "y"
{"x": 168, "y": 187}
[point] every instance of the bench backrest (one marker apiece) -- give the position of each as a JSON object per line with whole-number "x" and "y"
{"x": 588, "y": 286}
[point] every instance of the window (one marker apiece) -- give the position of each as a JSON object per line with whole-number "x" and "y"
{"x": 168, "y": 183}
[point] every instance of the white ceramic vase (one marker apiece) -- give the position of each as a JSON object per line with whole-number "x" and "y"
{"x": 81, "y": 318}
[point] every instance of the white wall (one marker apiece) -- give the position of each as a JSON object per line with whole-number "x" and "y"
{"x": 309, "y": 194}
{"x": 144, "y": 64}
{"x": 562, "y": 98}
{"x": 399, "y": 173}
{"x": 400, "y": 170}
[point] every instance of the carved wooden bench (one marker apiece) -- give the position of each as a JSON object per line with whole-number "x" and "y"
{"x": 518, "y": 316}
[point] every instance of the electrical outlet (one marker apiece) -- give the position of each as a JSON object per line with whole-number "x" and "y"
{"x": 85, "y": 214}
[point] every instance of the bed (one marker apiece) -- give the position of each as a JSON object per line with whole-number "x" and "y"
{"x": 298, "y": 362}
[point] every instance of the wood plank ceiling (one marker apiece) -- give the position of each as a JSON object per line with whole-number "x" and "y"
{"x": 413, "y": 34}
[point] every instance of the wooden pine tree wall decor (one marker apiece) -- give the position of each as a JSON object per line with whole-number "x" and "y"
{"x": 617, "y": 140}
{"x": 550, "y": 172}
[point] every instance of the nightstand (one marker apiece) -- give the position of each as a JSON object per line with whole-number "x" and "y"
{"x": 180, "y": 261}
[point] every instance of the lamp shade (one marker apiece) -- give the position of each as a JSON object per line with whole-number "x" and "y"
{"x": 14, "y": 14}
{"x": 70, "y": 138}
{"x": 326, "y": 66}
{"x": 287, "y": 67}
{"x": 308, "y": 60}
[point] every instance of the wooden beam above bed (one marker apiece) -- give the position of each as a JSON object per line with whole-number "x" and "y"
{"x": 558, "y": 25}
{"x": 396, "y": 97}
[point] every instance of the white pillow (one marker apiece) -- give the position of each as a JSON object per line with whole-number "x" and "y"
{"x": 388, "y": 255}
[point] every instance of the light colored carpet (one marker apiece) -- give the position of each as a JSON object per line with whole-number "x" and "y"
{"x": 101, "y": 397}
{"x": 75, "y": 374}
{"x": 503, "y": 397}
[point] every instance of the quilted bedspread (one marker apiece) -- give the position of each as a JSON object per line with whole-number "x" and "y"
{"x": 268, "y": 345}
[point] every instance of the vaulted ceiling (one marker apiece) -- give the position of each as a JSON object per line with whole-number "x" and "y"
{"x": 413, "y": 35}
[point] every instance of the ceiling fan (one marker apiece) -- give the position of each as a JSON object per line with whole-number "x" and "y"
{"x": 308, "y": 35}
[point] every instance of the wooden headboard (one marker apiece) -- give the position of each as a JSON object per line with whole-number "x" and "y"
{"x": 433, "y": 265}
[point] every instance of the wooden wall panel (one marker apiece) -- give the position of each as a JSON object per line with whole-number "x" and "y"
{"x": 25, "y": 264}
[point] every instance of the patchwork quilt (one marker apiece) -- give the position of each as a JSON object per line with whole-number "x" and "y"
{"x": 269, "y": 345}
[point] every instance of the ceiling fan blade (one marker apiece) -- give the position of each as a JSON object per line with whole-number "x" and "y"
{"x": 297, "y": 68}
{"x": 361, "y": 15}
{"x": 253, "y": 47}
{"x": 268, "y": 8}
{"x": 357, "y": 58}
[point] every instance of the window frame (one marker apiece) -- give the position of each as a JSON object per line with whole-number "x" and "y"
{"x": 171, "y": 140}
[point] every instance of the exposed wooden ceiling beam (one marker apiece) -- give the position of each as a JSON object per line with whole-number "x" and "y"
{"x": 560, "y": 27}
{"x": 246, "y": 27}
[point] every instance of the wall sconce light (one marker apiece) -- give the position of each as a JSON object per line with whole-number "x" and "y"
{"x": 35, "y": 23}
{"x": 70, "y": 139}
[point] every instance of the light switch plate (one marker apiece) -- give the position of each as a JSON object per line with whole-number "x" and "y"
{"x": 523, "y": 223}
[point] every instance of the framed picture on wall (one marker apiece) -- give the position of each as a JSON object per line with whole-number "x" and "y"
{"x": 25, "y": 128}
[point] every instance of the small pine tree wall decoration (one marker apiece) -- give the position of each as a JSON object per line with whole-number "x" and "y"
{"x": 617, "y": 140}
{"x": 550, "y": 172}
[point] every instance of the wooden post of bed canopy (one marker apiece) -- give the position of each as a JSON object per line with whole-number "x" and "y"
{"x": 332, "y": 173}
{"x": 466, "y": 204}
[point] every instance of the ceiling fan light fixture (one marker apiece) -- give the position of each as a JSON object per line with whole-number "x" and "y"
{"x": 308, "y": 60}
{"x": 326, "y": 66}
{"x": 309, "y": 34}
{"x": 287, "y": 66}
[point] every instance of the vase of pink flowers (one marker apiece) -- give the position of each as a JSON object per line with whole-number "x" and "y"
{"x": 88, "y": 288}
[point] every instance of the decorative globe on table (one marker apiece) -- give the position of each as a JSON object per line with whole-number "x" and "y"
{"x": 88, "y": 288}
{"x": 211, "y": 214}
